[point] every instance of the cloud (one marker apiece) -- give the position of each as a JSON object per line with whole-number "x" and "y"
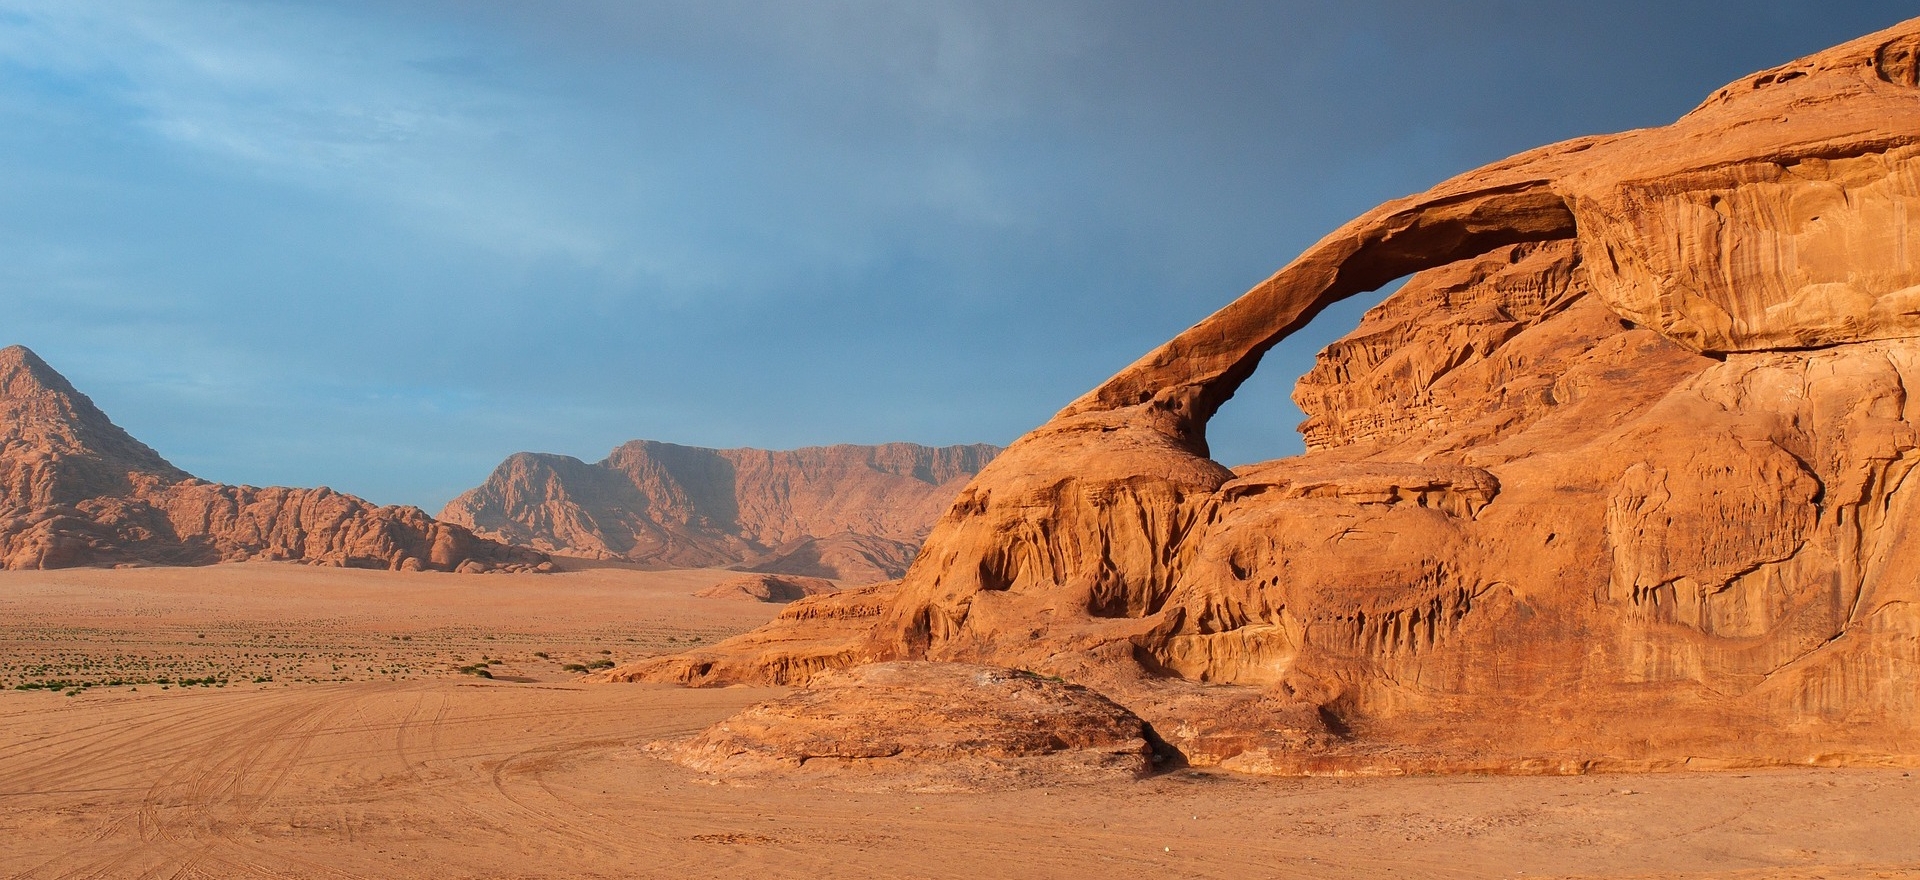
{"x": 397, "y": 237}
{"x": 305, "y": 97}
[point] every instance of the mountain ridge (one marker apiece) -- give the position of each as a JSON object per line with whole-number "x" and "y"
{"x": 77, "y": 489}
{"x": 847, "y": 511}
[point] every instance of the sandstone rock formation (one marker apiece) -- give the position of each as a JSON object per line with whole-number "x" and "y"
{"x": 854, "y": 513}
{"x": 75, "y": 490}
{"x": 1617, "y": 480}
{"x": 769, "y": 588}
{"x": 973, "y": 728}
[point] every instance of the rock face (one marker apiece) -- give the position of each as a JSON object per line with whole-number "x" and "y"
{"x": 780, "y": 588}
{"x": 75, "y": 489}
{"x": 1618, "y": 479}
{"x": 974, "y": 728}
{"x": 853, "y": 513}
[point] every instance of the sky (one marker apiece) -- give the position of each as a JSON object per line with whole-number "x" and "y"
{"x": 380, "y": 246}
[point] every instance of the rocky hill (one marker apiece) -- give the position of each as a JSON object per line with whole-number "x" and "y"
{"x": 848, "y": 512}
{"x": 1618, "y": 480}
{"x": 76, "y": 489}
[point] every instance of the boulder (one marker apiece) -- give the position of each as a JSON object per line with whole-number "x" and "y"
{"x": 780, "y": 588}
{"x": 926, "y": 727}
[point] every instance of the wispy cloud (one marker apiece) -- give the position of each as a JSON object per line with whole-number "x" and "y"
{"x": 398, "y": 237}
{"x": 308, "y": 97}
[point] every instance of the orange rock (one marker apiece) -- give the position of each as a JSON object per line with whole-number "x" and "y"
{"x": 855, "y": 513}
{"x": 769, "y": 588}
{"x": 971, "y": 728}
{"x": 1617, "y": 480}
{"x": 75, "y": 489}
{"x": 811, "y": 635}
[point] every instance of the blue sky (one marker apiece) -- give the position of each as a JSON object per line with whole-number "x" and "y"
{"x": 379, "y": 246}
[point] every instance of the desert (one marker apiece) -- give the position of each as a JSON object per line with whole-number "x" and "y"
{"x": 1589, "y": 556}
{"x": 369, "y": 756}
{"x": 1602, "y": 486}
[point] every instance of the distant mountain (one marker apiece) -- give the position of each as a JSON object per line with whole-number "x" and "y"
{"x": 848, "y": 512}
{"x": 76, "y": 489}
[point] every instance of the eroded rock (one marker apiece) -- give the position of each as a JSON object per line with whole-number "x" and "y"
{"x": 75, "y": 490}
{"x": 1617, "y": 480}
{"x": 926, "y": 727}
{"x": 810, "y": 636}
{"x": 853, "y": 513}
{"x": 779, "y": 588}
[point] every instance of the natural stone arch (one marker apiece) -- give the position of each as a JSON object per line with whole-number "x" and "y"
{"x": 1192, "y": 374}
{"x": 1060, "y": 554}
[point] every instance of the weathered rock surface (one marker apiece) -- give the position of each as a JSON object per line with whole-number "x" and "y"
{"x": 75, "y": 490}
{"x": 1618, "y": 479}
{"x": 779, "y": 588}
{"x": 811, "y": 635}
{"x": 855, "y": 513}
{"x": 972, "y": 728}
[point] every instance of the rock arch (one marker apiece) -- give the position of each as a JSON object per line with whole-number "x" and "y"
{"x": 1191, "y": 375}
{"x": 1745, "y": 579}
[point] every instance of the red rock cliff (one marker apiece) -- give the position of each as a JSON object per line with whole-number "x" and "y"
{"x": 75, "y": 489}
{"x": 1618, "y": 479}
{"x": 849, "y": 512}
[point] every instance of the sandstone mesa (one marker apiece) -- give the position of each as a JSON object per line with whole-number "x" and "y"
{"x": 844, "y": 512}
{"x": 1617, "y": 480}
{"x": 76, "y": 489}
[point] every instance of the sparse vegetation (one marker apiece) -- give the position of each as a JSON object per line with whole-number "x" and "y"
{"x": 209, "y": 654}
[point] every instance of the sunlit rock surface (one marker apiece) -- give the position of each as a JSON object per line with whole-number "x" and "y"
{"x": 1617, "y": 480}
{"x": 855, "y": 513}
{"x": 76, "y": 490}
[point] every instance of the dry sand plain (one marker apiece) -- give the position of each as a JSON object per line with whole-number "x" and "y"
{"x": 363, "y": 751}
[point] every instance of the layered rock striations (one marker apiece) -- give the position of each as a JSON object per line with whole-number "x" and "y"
{"x": 1618, "y": 479}
{"x": 76, "y": 489}
{"x": 776, "y": 588}
{"x": 846, "y": 512}
{"x": 972, "y": 728}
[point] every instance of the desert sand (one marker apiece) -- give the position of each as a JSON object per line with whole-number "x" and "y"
{"x": 398, "y": 765}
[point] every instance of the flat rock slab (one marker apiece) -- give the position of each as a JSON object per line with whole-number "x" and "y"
{"x": 778, "y": 588}
{"x": 922, "y": 726}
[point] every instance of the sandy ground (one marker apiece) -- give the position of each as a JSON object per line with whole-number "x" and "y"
{"x": 287, "y": 624}
{"x": 397, "y": 764}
